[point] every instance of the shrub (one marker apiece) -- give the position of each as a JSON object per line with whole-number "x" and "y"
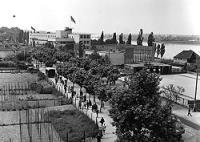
{"x": 74, "y": 123}
{"x": 41, "y": 76}
{"x": 7, "y": 64}
{"x": 47, "y": 90}
{"x": 36, "y": 87}
{"x": 56, "y": 92}
{"x": 21, "y": 65}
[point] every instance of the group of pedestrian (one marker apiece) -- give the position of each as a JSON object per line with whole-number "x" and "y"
{"x": 102, "y": 130}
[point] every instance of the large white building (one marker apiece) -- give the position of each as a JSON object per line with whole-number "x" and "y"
{"x": 82, "y": 37}
{"x": 59, "y": 37}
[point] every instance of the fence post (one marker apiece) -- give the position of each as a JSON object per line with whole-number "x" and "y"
{"x": 84, "y": 136}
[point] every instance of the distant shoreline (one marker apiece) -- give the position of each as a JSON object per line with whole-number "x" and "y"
{"x": 181, "y": 42}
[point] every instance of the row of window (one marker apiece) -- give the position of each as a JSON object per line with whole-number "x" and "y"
{"x": 42, "y": 35}
{"x": 84, "y": 36}
{"x": 86, "y": 42}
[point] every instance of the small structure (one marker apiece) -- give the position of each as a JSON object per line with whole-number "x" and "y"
{"x": 186, "y": 56}
{"x": 152, "y": 67}
{"x": 116, "y": 58}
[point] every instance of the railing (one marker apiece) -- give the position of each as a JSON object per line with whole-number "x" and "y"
{"x": 179, "y": 99}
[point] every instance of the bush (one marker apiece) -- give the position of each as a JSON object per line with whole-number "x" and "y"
{"x": 41, "y": 76}
{"x": 21, "y": 65}
{"x": 36, "y": 87}
{"x": 7, "y": 64}
{"x": 48, "y": 90}
{"x": 56, "y": 92}
{"x": 74, "y": 123}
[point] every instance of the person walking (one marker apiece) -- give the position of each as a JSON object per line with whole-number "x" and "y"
{"x": 80, "y": 104}
{"x": 189, "y": 112}
{"x": 90, "y": 103}
{"x": 104, "y": 129}
{"x": 87, "y": 104}
{"x": 102, "y": 121}
{"x": 97, "y": 112}
{"x": 99, "y": 136}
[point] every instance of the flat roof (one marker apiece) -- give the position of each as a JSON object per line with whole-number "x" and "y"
{"x": 142, "y": 64}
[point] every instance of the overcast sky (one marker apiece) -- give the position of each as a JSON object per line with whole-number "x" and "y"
{"x": 93, "y": 16}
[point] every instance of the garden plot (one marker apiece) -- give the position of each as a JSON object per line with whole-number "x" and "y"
{"x": 25, "y": 125}
{"x": 28, "y": 125}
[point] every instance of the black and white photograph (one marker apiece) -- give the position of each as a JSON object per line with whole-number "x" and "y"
{"x": 99, "y": 71}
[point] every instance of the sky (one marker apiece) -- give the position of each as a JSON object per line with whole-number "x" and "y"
{"x": 95, "y": 16}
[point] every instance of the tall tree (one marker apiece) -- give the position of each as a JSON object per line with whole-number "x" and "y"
{"x": 121, "y": 41}
{"x": 81, "y": 49}
{"x": 27, "y": 38}
{"x": 151, "y": 39}
{"x": 162, "y": 50}
{"x": 101, "y": 39}
{"x": 140, "y": 37}
{"x": 138, "y": 114}
{"x": 114, "y": 38}
{"x": 129, "y": 39}
{"x": 158, "y": 50}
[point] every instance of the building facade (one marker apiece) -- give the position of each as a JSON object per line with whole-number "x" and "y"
{"x": 135, "y": 54}
{"x": 186, "y": 56}
{"x": 116, "y": 58}
{"x": 82, "y": 37}
{"x": 59, "y": 37}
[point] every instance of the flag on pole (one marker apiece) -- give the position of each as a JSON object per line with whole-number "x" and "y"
{"x": 32, "y": 28}
{"x": 72, "y": 19}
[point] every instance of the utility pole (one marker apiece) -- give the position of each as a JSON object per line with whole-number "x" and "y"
{"x": 196, "y": 91}
{"x": 198, "y": 67}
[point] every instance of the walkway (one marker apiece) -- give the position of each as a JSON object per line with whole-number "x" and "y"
{"x": 110, "y": 135}
{"x": 192, "y": 133}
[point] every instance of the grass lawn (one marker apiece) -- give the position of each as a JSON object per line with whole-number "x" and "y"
{"x": 74, "y": 123}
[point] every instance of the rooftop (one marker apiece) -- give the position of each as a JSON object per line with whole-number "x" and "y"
{"x": 185, "y": 54}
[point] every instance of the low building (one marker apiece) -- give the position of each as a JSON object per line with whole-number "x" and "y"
{"x": 82, "y": 37}
{"x": 137, "y": 54}
{"x": 132, "y": 53}
{"x": 186, "y": 56}
{"x": 116, "y": 58}
{"x": 152, "y": 67}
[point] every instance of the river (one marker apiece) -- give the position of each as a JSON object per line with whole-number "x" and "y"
{"x": 172, "y": 49}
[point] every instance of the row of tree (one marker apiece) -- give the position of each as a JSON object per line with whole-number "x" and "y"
{"x": 113, "y": 40}
{"x": 14, "y": 34}
{"x": 136, "y": 108}
{"x": 23, "y": 37}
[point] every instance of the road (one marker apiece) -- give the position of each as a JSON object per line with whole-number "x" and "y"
{"x": 191, "y": 134}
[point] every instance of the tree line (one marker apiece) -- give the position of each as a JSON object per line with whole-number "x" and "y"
{"x": 14, "y": 34}
{"x": 113, "y": 40}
